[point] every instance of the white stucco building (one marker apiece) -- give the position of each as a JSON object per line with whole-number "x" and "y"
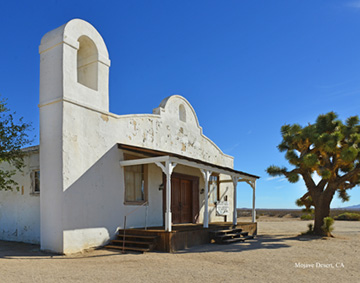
{"x": 97, "y": 166}
{"x": 20, "y": 208}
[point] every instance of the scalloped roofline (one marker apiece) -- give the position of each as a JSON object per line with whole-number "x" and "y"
{"x": 162, "y": 106}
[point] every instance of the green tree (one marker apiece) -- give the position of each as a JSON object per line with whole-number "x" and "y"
{"x": 328, "y": 148}
{"x": 13, "y": 136}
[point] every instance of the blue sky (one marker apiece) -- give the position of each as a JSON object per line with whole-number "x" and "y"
{"x": 247, "y": 67}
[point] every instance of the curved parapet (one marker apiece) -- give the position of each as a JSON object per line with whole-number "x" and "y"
{"x": 177, "y": 107}
{"x": 173, "y": 127}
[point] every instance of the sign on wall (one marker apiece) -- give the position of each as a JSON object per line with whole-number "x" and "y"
{"x": 222, "y": 208}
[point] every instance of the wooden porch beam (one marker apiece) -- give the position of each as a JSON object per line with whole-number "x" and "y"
{"x": 210, "y": 168}
{"x": 144, "y": 160}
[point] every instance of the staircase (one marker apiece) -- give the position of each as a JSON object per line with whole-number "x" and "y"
{"x": 133, "y": 242}
{"x": 229, "y": 235}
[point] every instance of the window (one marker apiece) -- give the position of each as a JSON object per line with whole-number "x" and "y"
{"x": 214, "y": 188}
{"x": 135, "y": 182}
{"x": 35, "y": 182}
{"x": 182, "y": 113}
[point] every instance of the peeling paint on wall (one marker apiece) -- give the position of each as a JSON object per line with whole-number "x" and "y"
{"x": 183, "y": 147}
{"x": 105, "y": 117}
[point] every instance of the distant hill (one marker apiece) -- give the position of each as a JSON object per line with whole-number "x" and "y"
{"x": 353, "y": 207}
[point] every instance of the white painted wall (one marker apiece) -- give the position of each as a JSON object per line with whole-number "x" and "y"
{"x": 20, "y": 208}
{"x": 83, "y": 203}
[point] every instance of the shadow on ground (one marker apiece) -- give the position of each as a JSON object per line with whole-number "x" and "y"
{"x": 260, "y": 242}
{"x": 9, "y": 250}
{"x": 16, "y": 249}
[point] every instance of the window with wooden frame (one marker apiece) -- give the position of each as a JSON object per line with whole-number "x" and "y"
{"x": 135, "y": 182}
{"x": 35, "y": 182}
{"x": 214, "y": 188}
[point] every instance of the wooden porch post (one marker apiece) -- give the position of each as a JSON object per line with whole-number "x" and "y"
{"x": 168, "y": 216}
{"x": 235, "y": 181}
{"x": 253, "y": 203}
{"x": 167, "y": 169}
{"x": 206, "y": 175}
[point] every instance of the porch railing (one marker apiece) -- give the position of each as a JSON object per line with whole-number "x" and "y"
{"x": 125, "y": 217}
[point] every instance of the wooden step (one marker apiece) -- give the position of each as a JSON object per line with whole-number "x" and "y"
{"x": 249, "y": 237}
{"x": 127, "y": 248}
{"x": 244, "y": 234}
{"x": 229, "y": 235}
{"x": 132, "y": 242}
{"x": 137, "y": 236}
{"x": 237, "y": 230}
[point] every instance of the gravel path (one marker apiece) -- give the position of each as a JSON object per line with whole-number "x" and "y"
{"x": 278, "y": 254}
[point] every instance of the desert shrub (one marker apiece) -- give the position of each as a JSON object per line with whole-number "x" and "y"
{"x": 310, "y": 230}
{"x": 348, "y": 216}
{"x": 294, "y": 215}
{"x": 328, "y": 225}
{"x": 306, "y": 217}
{"x": 311, "y": 227}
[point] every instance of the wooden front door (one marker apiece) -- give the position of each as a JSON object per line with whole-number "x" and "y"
{"x": 184, "y": 198}
{"x": 181, "y": 200}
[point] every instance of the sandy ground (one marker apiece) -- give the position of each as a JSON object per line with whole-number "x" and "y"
{"x": 278, "y": 254}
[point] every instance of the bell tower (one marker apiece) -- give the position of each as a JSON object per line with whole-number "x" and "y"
{"x": 74, "y": 70}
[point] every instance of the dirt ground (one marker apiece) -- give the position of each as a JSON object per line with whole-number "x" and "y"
{"x": 278, "y": 254}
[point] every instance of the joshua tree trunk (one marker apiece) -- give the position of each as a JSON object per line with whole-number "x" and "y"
{"x": 322, "y": 210}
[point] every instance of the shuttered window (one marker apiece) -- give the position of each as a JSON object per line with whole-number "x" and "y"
{"x": 135, "y": 184}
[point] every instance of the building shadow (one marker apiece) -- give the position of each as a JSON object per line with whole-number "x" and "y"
{"x": 264, "y": 242}
{"x": 18, "y": 249}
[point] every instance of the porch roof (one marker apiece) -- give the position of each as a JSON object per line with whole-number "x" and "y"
{"x": 158, "y": 156}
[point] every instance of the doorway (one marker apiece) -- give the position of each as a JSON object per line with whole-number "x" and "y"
{"x": 184, "y": 198}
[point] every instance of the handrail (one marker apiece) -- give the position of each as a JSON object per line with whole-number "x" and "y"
{"x": 123, "y": 250}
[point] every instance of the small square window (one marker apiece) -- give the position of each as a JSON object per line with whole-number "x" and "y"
{"x": 35, "y": 182}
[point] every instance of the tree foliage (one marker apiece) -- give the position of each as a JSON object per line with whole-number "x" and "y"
{"x": 13, "y": 136}
{"x": 328, "y": 148}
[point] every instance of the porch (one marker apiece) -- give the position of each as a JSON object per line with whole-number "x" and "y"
{"x": 177, "y": 208}
{"x": 189, "y": 215}
{"x": 181, "y": 236}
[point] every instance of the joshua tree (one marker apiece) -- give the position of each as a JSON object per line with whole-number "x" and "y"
{"x": 328, "y": 148}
